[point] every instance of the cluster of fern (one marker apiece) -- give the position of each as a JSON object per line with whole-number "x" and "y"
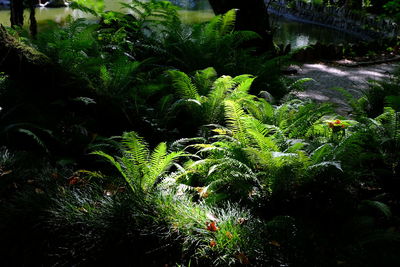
{"x": 239, "y": 178}
{"x": 208, "y": 188}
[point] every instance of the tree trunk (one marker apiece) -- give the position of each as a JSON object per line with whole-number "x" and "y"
{"x": 32, "y": 18}
{"x": 17, "y": 13}
{"x": 252, "y": 15}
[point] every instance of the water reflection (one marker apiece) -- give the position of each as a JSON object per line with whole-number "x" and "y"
{"x": 301, "y": 34}
{"x": 195, "y": 11}
{"x": 192, "y": 4}
{"x": 192, "y": 12}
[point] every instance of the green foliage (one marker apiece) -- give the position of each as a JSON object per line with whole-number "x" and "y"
{"x": 381, "y": 94}
{"x": 258, "y": 181}
{"x": 392, "y": 8}
{"x": 213, "y": 235}
{"x": 206, "y": 103}
{"x": 138, "y": 166}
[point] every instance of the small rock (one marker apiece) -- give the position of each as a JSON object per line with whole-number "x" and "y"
{"x": 292, "y": 69}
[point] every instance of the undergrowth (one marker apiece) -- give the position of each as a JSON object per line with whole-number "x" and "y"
{"x": 206, "y": 168}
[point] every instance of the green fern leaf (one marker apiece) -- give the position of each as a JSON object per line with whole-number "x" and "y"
{"x": 136, "y": 147}
{"x": 380, "y": 206}
{"x": 228, "y": 22}
{"x": 234, "y": 119}
{"x": 115, "y": 163}
{"x": 183, "y": 85}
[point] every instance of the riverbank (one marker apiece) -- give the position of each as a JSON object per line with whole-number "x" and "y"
{"x": 366, "y": 26}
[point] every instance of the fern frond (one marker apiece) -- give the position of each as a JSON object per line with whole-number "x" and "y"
{"x": 136, "y": 147}
{"x": 263, "y": 142}
{"x": 245, "y": 83}
{"x": 204, "y": 79}
{"x": 157, "y": 156}
{"x": 260, "y": 109}
{"x": 180, "y": 144}
{"x": 298, "y": 84}
{"x": 234, "y": 115}
{"x": 183, "y": 85}
{"x": 35, "y": 137}
{"x": 322, "y": 153}
{"x": 326, "y": 164}
{"x": 213, "y": 107}
{"x": 227, "y": 22}
{"x": 379, "y": 206}
{"x": 159, "y": 162}
{"x": 352, "y": 101}
{"x": 111, "y": 159}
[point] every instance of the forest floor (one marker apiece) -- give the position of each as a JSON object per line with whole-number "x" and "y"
{"x": 327, "y": 76}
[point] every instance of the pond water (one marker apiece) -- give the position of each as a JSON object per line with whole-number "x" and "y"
{"x": 193, "y": 11}
{"x": 302, "y": 34}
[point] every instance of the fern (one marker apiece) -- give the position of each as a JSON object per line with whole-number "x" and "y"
{"x": 261, "y": 110}
{"x": 352, "y": 101}
{"x": 379, "y": 206}
{"x": 213, "y": 107}
{"x": 234, "y": 119}
{"x": 204, "y": 79}
{"x": 138, "y": 166}
{"x": 183, "y": 85}
{"x": 298, "y": 84}
{"x": 136, "y": 147}
{"x": 227, "y": 22}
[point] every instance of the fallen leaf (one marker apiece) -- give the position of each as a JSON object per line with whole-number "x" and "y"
{"x": 274, "y": 243}
{"x": 73, "y": 180}
{"x": 213, "y": 243}
{"x": 242, "y": 258}
{"x": 5, "y": 172}
{"x": 39, "y": 191}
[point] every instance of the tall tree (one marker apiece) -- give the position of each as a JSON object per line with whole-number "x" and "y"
{"x": 32, "y": 17}
{"x": 251, "y": 15}
{"x": 17, "y": 13}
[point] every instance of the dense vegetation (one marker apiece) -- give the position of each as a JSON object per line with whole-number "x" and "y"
{"x": 175, "y": 144}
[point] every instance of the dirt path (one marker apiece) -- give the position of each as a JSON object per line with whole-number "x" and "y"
{"x": 353, "y": 79}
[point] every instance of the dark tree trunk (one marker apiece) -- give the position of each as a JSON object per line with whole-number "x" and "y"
{"x": 32, "y": 18}
{"x": 252, "y": 15}
{"x": 17, "y": 13}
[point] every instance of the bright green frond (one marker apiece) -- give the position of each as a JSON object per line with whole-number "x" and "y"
{"x": 228, "y": 22}
{"x": 183, "y": 85}
{"x": 136, "y": 147}
{"x": 234, "y": 115}
{"x": 111, "y": 160}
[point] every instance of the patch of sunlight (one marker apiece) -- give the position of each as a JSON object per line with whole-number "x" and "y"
{"x": 313, "y": 95}
{"x": 324, "y": 68}
{"x": 373, "y": 74}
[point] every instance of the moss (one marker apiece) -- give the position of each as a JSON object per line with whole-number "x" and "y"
{"x": 19, "y": 56}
